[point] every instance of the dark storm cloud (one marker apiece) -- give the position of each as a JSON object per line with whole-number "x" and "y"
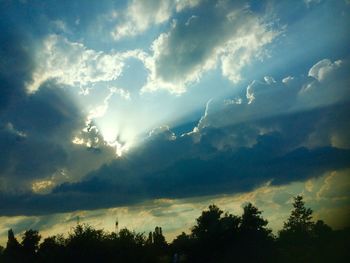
{"x": 16, "y": 64}
{"x": 50, "y": 112}
{"x": 36, "y": 140}
{"x": 209, "y": 167}
{"x": 23, "y": 154}
{"x": 183, "y": 167}
{"x": 35, "y": 129}
{"x": 276, "y": 132}
{"x": 223, "y": 154}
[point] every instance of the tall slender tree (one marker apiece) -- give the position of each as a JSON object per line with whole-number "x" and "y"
{"x": 300, "y": 219}
{"x": 30, "y": 245}
{"x": 13, "y": 250}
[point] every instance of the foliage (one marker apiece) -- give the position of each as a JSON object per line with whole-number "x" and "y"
{"x": 30, "y": 245}
{"x": 216, "y": 237}
{"x": 300, "y": 220}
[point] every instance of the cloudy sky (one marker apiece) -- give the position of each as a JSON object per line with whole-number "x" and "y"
{"x": 148, "y": 111}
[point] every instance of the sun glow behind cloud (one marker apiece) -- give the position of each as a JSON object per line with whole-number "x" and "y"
{"x": 124, "y": 115}
{"x": 138, "y": 92}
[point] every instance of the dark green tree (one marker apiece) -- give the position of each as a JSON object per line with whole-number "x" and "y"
{"x": 149, "y": 240}
{"x": 158, "y": 238}
{"x": 253, "y": 222}
{"x": 256, "y": 239}
{"x": 321, "y": 230}
{"x": 30, "y": 245}
{"x": 300, "y": 219}
{"x": 297, "y": 238}
{"x": 85, "y": 244}
{"x": 2, "y": 253}
{"x": 13, "y": 250}
{"x": 52, "y": 249}
{"x": 182, "y": 243}
{"x": 208, "y": 224}
{"x": 214, "y": 236}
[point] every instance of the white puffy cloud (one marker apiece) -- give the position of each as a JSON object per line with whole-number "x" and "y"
{"x": 269, "y": 80}
{"x": 323, "y": 68}
{"x": 140, "y": 15}
{"x": 246, "y": 45}
{"x": 335, "y": 186}
{"x": 328, "y": 84}
{"x": 266, "y": 102}
{"x": 163, "y": 132}
{"x": 71, "y": 63}
{"x": 228, "y": 35}
{"x": 183, "y": 4}
{"x": 101, "y": 110}
{"x": 287, "y": 80}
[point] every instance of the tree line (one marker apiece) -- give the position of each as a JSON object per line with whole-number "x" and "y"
{"x": 216, "y": 237}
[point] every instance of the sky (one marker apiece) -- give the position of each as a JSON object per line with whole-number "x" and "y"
{"x": 149, "y": 111}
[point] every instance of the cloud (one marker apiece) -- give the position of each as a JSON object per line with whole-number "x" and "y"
{"x": 215, "y": 34}
{"x": 17, "y": 63}
{"x": 140, "y": 16}
{"x": 36, "y": 137}
{"x": 29, "y": 125}
{"x": 335, "y": 187}
{"x": 101, "y": 110}
{"x": 235, "y": 147}
{"x": 227, "y": 160}
{"x": 31, "y": 131}
{"x": 272, "y": 97}
{"x": 177, "y": 215}
{"x": 260, "y": 144}
{"x": 71, "y": 63}
{"x": 288, "y": 79}
{"x": 322, "y": 68}
{"x": 184, "y": 4}
{"x": 328, "y": 84}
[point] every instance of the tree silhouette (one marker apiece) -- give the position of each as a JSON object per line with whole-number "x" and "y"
{"x": 256, "y": 238}
{"x": 30, "y": 245}
{"x": 2, "y": 249}
{"x": 52, "y": 249}
{"x": 321, "y": 230}
{"x": 302, "y": 240}
{"x": 213, "y": 236}
{"x": 208, "y": 224}
{"x": 182, "y": 244}
{"x": 206, "y": 235}
{"x": 295, "y": 237}
{"x": 216, "y": 237}
{"x": 12, "y": 252}
{"x": 298, "y": 228}
{"x": 300, "y": 220}
{"x": 85, "y": 244}
{"x": 253, "y": 222}
{"x": 157, "y": 244}
{"x": 158, "y": 238}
